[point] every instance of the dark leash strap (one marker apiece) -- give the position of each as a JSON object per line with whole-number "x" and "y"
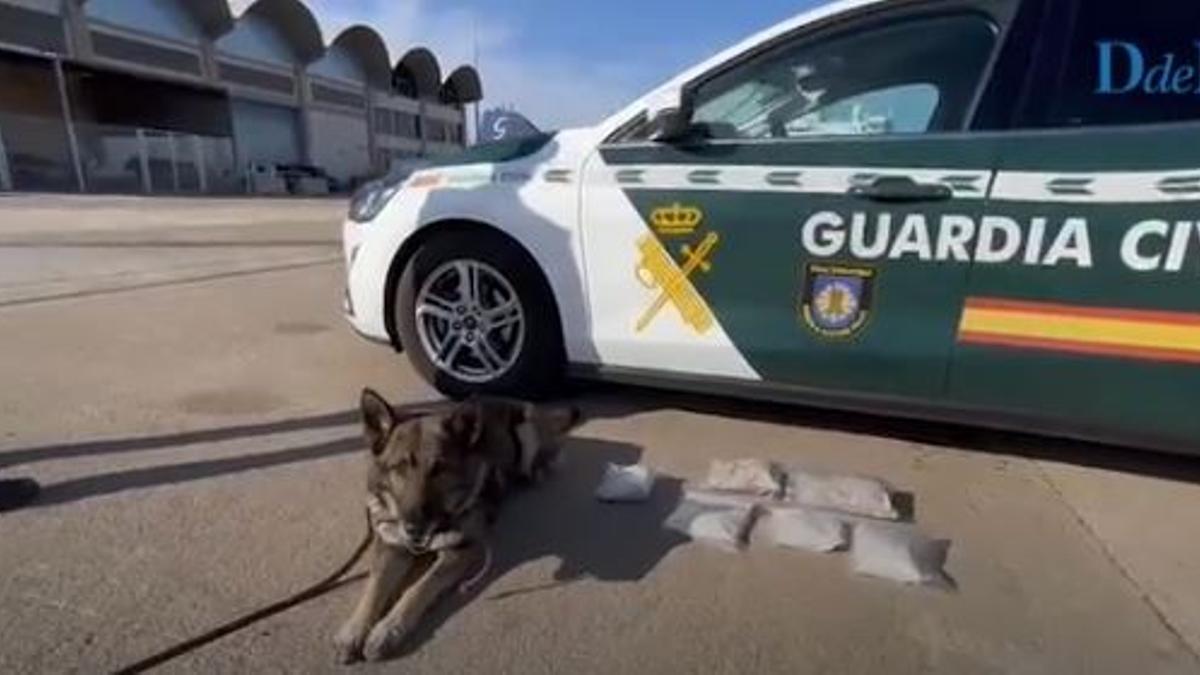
{"x": 329, "y": 583}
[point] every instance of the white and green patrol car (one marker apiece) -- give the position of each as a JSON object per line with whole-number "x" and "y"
{"x": 981, "y": 210}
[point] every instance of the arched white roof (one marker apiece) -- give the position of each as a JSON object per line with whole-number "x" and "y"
{"x": 367, "y": 47}
{"x": 214, "y": 16}
{"x": 419, "y": 70}
{"x": 463, "y": 86}
{"x": 417, "y": 73}
{"x": 295, "y": 21}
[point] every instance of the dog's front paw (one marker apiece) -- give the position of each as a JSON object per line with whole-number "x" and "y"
{"x": 348, "y": 643}
{"x": 383, "y": 642}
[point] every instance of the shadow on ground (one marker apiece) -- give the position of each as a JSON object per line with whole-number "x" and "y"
{"x": 561, "y": 519}
{"x": 599, "y": 401}
{"x": 174, "y": 474}
{"x": 617, "y": 401}
{"x": 131, "y": 479}
{"x": 143, "y": 443}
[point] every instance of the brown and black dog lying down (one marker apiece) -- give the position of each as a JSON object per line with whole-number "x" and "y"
{"x": 435, "y": 483}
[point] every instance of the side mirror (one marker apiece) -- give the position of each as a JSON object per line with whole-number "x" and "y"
{"x": 670, "y": 125}
{"x": 668, "y": 114}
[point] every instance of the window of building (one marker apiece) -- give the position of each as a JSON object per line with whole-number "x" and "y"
{"x": 434, "y": 130}
{"x": 441, "y": 131}
{"x": 406, "y": 125}
{"x": 396, "y": 123}
{"x": 383, "y": 121}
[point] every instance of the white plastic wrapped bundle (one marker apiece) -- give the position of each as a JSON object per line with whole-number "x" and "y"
{"x": 900, "y": 553}
{"x": 625, "y": 483}
{"x": 751, "y": 476}
{"x": 727, "y": 498}
{"x": 806, "y": 530}
{"x": 855, "y": 495}
{"x": 726, "y": 527}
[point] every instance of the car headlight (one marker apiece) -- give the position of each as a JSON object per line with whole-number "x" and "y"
{"x": 371, "y": 198}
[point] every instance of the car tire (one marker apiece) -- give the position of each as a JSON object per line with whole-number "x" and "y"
{"x": 528, "y": 365}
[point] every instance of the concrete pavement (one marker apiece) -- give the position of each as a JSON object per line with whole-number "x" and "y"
{"x": 197, "y": 442}
{"x": 57, "y": 247}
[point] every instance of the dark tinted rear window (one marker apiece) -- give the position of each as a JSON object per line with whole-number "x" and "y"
{"x": 1127, "y": 62}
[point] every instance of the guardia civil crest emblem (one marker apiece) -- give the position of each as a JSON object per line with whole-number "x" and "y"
{"x": 836, "y": 300}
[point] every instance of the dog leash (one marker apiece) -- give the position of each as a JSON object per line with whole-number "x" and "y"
{"x": 329, "y": 583}
{"x": 466, "y": 587}
{"x": 469, "y": 585}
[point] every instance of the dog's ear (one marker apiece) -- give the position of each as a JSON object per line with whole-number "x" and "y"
{"x": 378, "y": 420}
{"x": 466, "y": 423}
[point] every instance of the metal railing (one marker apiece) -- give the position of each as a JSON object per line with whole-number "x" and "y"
{"x": 129, "y": 159}
{"x": 35, "y": 155}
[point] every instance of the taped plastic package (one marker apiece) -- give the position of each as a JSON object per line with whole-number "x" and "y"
{"x": 806, "y": 530}
{"x": 726, "y": 498}
{"x": 625, "y": 483}
{"x": 849, "y": 494}
{"x": 753, "y": 476}
{"x": 726, "y": 527}
{"x": 900, "y": 553}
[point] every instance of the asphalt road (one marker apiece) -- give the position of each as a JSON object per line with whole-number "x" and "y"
{"x": 177, "y": 375}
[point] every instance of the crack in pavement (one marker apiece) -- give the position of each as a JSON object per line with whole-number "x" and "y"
{"x": 167, "y": 282}
{"x": 1112, "y": 558}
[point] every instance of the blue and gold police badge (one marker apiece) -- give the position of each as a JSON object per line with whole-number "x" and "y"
{"x": 836, "y": 299}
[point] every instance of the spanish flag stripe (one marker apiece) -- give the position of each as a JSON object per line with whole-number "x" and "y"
{"x": 1083, "y": 329}
{"x": 1075, "y": 310}
{"x": 1169, "y": 336}
{"x": 1086, "y": 348}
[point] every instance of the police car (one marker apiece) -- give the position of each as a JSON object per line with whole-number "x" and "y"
{"x": 980, "y": 210}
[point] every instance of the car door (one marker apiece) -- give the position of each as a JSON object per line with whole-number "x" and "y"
{"x": 814, "y": 228}
{"x": 1094, "y": 323}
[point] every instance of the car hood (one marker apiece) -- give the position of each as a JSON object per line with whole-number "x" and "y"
{"x": 498, "y": 152}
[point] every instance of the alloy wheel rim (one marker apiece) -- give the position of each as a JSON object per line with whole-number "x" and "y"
{"x": 470, "y": 321}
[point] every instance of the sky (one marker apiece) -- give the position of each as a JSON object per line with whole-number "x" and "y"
{"x": 563, "y": 62}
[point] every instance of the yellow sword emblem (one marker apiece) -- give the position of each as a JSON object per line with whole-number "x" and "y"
{"x": 658, "y": 270}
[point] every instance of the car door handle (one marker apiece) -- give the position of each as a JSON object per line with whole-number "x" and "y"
{"x": 901, "y": 190}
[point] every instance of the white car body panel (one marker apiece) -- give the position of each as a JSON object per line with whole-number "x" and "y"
{"x": 545, "y": 218}
{"x": 514, "y": 197}
{"x": 612, "y": 228}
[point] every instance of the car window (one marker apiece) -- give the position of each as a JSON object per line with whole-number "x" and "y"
{"x": 1126, "y": 63}
{"x": 909, "y": 77}
{"x": 904, "y": 109}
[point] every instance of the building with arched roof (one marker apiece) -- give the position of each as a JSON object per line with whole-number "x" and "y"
{"x": 186, "y": 96}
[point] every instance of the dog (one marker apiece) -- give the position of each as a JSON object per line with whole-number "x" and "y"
{"x": 435, "y": 484}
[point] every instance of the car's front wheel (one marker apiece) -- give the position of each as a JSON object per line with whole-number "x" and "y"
{"x": 475, "y": 316}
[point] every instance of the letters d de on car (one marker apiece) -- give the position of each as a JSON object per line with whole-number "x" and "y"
{"x": 1124, "y": 68}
